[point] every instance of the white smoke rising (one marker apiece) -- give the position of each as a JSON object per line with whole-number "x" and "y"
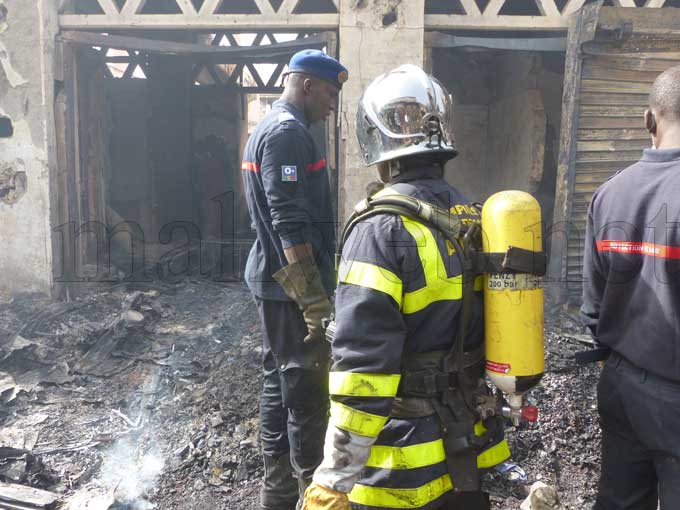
{"x": 131, "y": 474}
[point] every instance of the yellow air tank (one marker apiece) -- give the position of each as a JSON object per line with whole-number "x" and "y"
{"x": 513, "y": 302}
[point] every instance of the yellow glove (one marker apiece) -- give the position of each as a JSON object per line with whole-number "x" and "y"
{"x": 318, "y": 497}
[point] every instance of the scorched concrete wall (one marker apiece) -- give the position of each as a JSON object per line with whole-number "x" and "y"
{"x": 27, "y": 31}
{"x": 375, "y": 36}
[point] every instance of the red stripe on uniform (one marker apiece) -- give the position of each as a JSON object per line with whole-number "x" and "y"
{"x": 654, "y": 250}
{"x": 313, "y": 167}
{"x": 250, "y": 166}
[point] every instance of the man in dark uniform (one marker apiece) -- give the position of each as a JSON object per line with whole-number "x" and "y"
{"x": 398, "y": 310}
{"x": 290, "y": 272}
{"x": 631, "y": 304}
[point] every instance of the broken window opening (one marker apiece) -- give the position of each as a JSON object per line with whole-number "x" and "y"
{"x": 6, "y": 127}
{"x": 520, "y": 8}
{"x": 315, "y": 7}
{"x": 161, "y": 7}
{"x": 240, "y": 7}
{"x": 444, "y": 7}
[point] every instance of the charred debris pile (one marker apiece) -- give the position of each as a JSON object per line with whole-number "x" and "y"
{"x": 146, "y": 396}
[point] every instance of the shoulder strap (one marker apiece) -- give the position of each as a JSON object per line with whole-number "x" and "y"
{"x": 390, "y": 202}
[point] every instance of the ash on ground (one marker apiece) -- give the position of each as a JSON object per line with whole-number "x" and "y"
{"x": 146, "y": 396}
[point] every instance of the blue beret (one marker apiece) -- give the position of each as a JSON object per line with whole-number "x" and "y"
{"x": 318, "y": 64}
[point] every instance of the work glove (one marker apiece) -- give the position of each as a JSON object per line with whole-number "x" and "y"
{"x": 301, "y": 282}
{"x": 318, "y": 497}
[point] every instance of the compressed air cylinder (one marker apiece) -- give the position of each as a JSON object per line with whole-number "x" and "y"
{"x": 513, "y": 302}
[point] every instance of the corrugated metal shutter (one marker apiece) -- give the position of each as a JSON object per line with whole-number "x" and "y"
{"x": 617, "y": 69}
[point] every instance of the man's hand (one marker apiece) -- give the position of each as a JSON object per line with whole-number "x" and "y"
{"x": 318, "y": 497}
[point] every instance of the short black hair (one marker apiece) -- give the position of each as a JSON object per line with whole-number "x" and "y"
{"x": 665, "y": 94}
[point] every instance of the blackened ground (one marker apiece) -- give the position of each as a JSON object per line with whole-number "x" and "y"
{"x": 180, "y": 389}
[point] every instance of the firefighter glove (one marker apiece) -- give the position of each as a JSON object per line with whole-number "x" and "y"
{"x": 318, "y": 497}
{"x": 301, "y": 282}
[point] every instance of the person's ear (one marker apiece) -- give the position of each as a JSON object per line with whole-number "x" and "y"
{"x": 650, "y": 122}
{"x": 307, "y": 85}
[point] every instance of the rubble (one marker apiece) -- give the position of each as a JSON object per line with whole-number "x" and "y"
{"x": 156, "y": 403}
{"x": 20, "y": 497}
{"x": 541, "y": 497}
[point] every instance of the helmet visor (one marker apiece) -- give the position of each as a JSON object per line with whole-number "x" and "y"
{"x": 401, "y": 110}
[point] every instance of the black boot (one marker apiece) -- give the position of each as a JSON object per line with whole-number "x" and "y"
{"x": 279, "y": 489}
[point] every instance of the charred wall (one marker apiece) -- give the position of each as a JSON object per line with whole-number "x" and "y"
{"x": 506, "y": 120}
{"x": 27, "y": 158}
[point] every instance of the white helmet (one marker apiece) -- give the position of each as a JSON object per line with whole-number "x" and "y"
{"x": 405, "y": 112}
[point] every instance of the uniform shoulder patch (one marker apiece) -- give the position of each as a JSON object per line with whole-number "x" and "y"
{"x": 289, "y": 173}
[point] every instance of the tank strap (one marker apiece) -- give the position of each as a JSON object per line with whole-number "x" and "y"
{"x": 515, "y": 260}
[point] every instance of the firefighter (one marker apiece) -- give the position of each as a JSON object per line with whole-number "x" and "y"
{"x": 631, "y": 298}
{"x": 402, "y": 433}
{"x": 291, "y": 275}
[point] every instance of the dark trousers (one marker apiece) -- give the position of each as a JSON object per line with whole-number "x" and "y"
{"x": 640, "y": 418}
{"x": 294, "y": 401}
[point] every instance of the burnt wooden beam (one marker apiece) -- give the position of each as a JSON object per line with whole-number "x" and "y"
{"x": 582, "y": 28}
{"x": 273, "y": 53}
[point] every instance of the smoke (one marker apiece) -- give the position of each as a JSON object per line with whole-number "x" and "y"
{"x": 130, "y": 474}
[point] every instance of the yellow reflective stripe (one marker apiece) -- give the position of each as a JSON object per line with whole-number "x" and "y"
{"x": 438, "y": 287}
{"x": 428, "y": 251}
{"x": 354, "y": 420}
{"x": 428, "y": 454}
{"x": 371, "y": 276}
{"x": 401, "y": 498}
{"x": 443, "y": 290}
{"x": 355, "y": 384}
{"x": 493, "y": 456}
{"x": 407, "y": 457}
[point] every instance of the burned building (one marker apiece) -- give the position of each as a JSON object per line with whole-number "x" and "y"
{"x": 123, "y": 121}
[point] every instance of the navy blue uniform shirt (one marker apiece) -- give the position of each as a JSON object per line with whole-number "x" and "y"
{"x": 289, "y": 199}
{"x": 631, "y": 266}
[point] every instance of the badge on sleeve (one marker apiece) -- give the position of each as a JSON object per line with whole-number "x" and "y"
{"x": 289, "y": 173}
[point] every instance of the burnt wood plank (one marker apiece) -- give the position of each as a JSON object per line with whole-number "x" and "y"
{"x": 613, "y": 111}
{"x": 21, "y": 494}
{"x": 607, "y": 98}
{"x": 582, "y": 27}
{"x": 592, "y": 85}
{"x": 598, "y": 71}
{"x": 612, "y": 145}
{"x": 611, "y": 122}
{"x": 612, "y": 134}
{"x": 609, "y": 156}
{"x": 224, "y": 54}
{"x": 630, "y": 64}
